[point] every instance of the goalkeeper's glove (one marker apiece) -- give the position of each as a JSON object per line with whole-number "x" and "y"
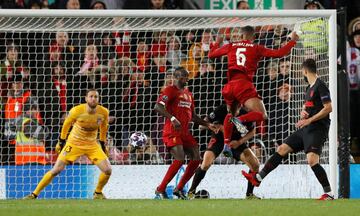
{"x": 60, "y": 145}
{"x": 104, "y": 148}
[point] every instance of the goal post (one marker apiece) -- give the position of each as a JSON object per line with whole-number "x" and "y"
{"x": 137, "y": 29}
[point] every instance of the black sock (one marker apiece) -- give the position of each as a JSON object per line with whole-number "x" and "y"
{"x": 271, "y": 164}
{"x": 321, "y": 177}
{"x": 199, "y": 175}
{"x": 250, "y": 188}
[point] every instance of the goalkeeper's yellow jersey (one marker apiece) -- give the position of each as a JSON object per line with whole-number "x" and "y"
{"x": 85, "y": 126}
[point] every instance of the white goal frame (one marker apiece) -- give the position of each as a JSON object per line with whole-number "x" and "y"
{"x": 332, "y": 45}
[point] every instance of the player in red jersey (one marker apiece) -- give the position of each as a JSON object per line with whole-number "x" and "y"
{"x": 243, "y": 57}
{"x": 176, "y": 103}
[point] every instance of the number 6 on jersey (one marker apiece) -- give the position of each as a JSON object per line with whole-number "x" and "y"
{"x": 240, "y": 56}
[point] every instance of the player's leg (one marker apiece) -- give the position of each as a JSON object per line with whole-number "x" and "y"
{"x": 194, "y": 155}
{"x": 313, "y": 143}
{"x": 200, "y": 172}
{"x": 105, "y": 168}
{"x": 249, "y": 158}
{"x": 257, "y": 111}
{"x": 177, "y": 151}
{"x": 320, "y": 173}
{"x": 68, "y": 154}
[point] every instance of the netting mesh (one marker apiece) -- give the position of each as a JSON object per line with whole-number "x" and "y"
{"x": 130, "y": 61}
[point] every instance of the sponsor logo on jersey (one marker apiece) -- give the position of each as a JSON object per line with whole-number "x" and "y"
{"x": 185, "y": 104}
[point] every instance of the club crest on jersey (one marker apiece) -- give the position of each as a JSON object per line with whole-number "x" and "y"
{"x": 212, "y": 115}
{"x": 99, "y": 121}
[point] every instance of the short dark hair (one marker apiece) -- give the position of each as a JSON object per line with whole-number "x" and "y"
{"x": 182, "y": 70}
{"x": 249, "y": 30}
{"x": 310, "y": 65}
{"x": 91, "y": 90}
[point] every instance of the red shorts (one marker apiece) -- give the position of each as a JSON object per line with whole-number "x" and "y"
{"x": 186, "y": 140}
{"x": 240, "y": 91}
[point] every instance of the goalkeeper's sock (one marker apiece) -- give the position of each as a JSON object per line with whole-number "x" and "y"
{"x": 171, "y": 172}
{"x": 199, "y": 175}
{"x": 189, "y": 172}
{"x": 48, "y": 177}
{"x": 252, "y": 116}
{"x": 250, "y": 187}
{"x": 228, "y": 129}
{"x": 270, "y": 165}
{"x": 322, "y": 177}
{"x": 103, "y": 179}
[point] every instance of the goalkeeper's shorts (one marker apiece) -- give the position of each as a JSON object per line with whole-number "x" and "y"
{"x": 71, "y": 153}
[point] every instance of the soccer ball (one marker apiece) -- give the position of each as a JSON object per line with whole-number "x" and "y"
{"x": 138, "y": 140}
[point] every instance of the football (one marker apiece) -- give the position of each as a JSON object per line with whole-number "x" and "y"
{"x": 138, "y": 139}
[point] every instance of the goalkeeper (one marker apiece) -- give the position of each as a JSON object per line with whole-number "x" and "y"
{"x": 85, "y": 119}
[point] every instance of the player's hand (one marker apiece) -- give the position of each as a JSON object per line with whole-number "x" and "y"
{"x": 176, "y": 124}
{"x": 303, "y": 123}
{"x": 304, "y": 114}
{"x": 60, "y": 145}
{"x": 294, "y": 36}
{"x": 104, "y": 147}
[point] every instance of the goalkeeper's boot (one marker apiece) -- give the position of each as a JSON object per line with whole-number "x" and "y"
{"x": 252, "y": 197}
{"x": 227, "y": 151}
{"x": 326, "y": 197}
{"x": 251, "y": 177}
{"x": 239, "y": 126}
{"x": 99, "y": 196}
{"x": 191, "y": 195}
{"x": 30, "y": 196}
{"x": 161, "y": 195}
{"x": 180, "y": 194}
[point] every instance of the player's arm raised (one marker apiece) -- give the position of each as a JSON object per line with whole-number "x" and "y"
{"x": 283, "y": 51}
{"x": 216, "y": 51}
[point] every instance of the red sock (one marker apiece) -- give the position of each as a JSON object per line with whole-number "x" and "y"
{"x": 252, "y": 116}
{"x": 189, "y": 172}
{"x": 228, "y": 129}
{"x": 171, "y": 172}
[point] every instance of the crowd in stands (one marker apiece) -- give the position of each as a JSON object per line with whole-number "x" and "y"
{"x": 43, "y": 75}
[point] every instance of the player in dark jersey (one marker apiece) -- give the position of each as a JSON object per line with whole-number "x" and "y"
{"x": 243, "y": 57}
{"x": 176, "y": 103}
{"x": 239, "y": 149}
{"x": 311, "y": 135}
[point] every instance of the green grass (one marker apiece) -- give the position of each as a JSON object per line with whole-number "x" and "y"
{"x": 179, "y": 207}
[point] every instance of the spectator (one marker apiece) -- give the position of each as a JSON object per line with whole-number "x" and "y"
{"x": 353, "y": 70}
{"x": 174, "y": 54}
{"x": 312, "y": 5}
{"x": 284, "y": 70}
{"x": 193, "y": 61}
{"x": 98, "y": 5}
{"x": 242, "y": 5}
{"x": 158, "y": 47}
{"x": 73, "y": 5}
{"x": 188, "y": 42}
{"x": 107, "y": 49}
{"x": 91, "y": 62}
{"x": 30, "y": 139}
{"x": 8, "y": 69}
{"x": 122, "y": 43}
{"x": 142, "y": 56}
{"x": 206, "y": 41}
{"x": 19, "y": 101}
{"x": 158, "y": 5}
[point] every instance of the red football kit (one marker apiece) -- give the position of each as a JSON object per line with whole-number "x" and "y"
{"x": 180, "y": 104}
{"x": 243, "y": 58}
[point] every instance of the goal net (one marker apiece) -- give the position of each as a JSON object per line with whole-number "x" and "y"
{"x": 130, "y": 57}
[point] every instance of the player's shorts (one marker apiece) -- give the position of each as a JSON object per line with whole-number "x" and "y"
{"x": 309, "y": 139}
{"x": 240, "y": 91}
{"x": 186, "y": 140}
{"x": 216, "y": 146}
{"x": 71, "y": 153}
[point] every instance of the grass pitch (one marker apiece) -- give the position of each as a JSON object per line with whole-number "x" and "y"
{"x": 179, "y": 207}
